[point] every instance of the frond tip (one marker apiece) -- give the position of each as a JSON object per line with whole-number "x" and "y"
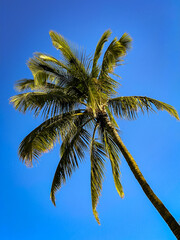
{"x": 53, "y": 199}
{"x": 126, "y": 41}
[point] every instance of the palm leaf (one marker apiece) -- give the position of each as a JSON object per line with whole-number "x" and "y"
{"x": 128, "y": 107}
{"x": 113, "y": 152}
{"x": 97, "y": 152}
{"x": 76, "y": 66}
{"x": 98, "y": 52}
{"x": 114, "y": 53}
{"x": 112, "y": 58}
{"x": 72, "y": 149}
{"x": 51, "y": 101}
{"x": 43, "y": 138}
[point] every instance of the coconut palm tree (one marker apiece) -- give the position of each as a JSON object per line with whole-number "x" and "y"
{"x": 76, "y": 98}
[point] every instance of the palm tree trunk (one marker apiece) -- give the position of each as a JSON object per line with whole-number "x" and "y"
{"x": 166, "y": 215}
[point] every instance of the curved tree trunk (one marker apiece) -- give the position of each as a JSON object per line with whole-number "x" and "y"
{"x": 166, "y": 215}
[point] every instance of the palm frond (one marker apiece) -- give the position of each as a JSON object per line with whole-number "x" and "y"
{"x": 98, "y": 52}
{"x": 128, "y": 107}
{"x": 72, "y": 149}
{"x": 113, "y": 152}
{"x": 112, "y": 57}
{"x": 51, "y": 102}
{"x": 61, "y": 44}
{"x": 43, "y": 138}
{"x": 76, "y": 66}
{"x": 97, "y": 154}
{"x": 110, "y": 60}
{"x": 82, "y": 119}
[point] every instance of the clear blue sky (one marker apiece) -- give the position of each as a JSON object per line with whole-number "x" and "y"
{"x": 151, "y": 69}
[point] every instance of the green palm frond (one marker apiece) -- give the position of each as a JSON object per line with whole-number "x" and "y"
{"x": 50, "y": 102}
{"x": 72, "y": 149}
{"x": 98, "y": 52}
{"x": 82, "y": 119}
{"x": 76, "y": 66}
{"x": 61, "y": 44}
{"x": 97, "y": 154}
{"x": 112, "y": 58}
{"x": 114, "y": 53}
{"x": 113, "y": 152}
{"x": 43, "y": 138}
{"x": 128, "y": 107}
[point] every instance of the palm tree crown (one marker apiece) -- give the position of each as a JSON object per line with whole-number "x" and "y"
{"x": 76, "y": 97}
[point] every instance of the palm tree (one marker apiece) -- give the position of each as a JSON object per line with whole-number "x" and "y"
{"x": 76, "y": 98}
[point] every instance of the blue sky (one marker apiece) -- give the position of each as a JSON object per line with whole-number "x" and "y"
{"x": 151, "y": 69}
